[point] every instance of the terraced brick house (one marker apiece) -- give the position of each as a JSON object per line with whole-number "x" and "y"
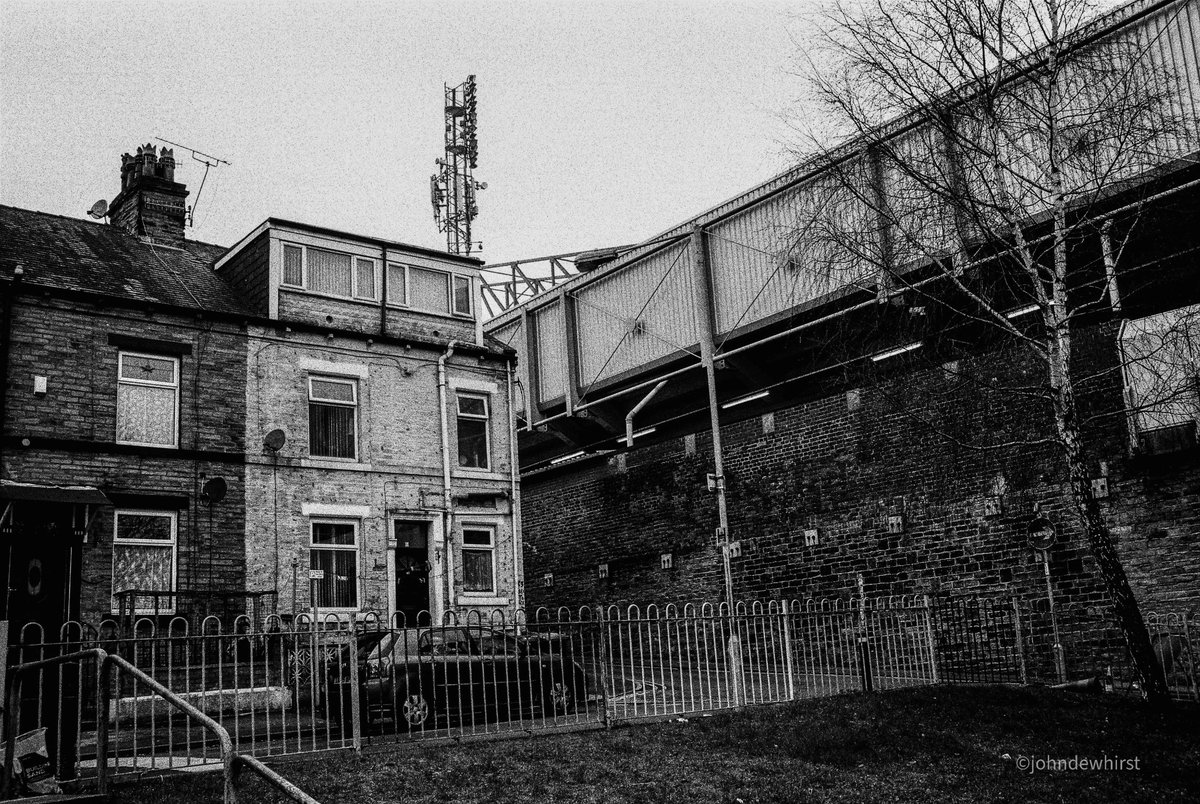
{"x": 309, "y": 422}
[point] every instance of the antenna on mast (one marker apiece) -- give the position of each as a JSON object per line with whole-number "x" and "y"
{"x": 208, "y": 160}
{"x": 453, "y": 187}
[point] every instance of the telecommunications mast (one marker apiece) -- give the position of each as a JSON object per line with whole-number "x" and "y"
{"x": 453, "y": 187}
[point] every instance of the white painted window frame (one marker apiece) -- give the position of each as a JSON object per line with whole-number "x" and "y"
{"x": 358, "y": 560}
{"x": 175, "y": 386}
{"x": 173, "y": 546}
{"x": 353, "y": 383}
{"x": 355, "y": 291}
{"x": 491, "y": 549}
{"x": 486, "y": 418}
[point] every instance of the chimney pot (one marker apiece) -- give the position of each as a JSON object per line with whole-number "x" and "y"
{"x": 151, "y": 203}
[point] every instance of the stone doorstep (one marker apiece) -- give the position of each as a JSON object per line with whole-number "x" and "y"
{"x": 207, "y": 701}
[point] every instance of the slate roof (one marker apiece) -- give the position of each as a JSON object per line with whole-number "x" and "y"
{"x": 81, "y": 255}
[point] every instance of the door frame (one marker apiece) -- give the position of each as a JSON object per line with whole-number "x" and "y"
{"x": 433, "y": 543}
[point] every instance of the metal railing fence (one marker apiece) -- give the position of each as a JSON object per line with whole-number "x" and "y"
{"x": 281, "y": 687}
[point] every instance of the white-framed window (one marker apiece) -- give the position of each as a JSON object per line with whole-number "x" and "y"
{"x": 461, "y": 295}
{"x": 1161, "y": 364}
{"x": 293, "y": 266}
{"x": 332, "y": 417}
{"x": 473, "y": 426}
{"x": 479, "y": 559}
{"x": 144, "y": 560}
{"x": 334, "y": 563}
{"x": 397, "y": 282}
{"x": 428, "y": 290}
{"x": 147, "y": 399}
{"x": 364, "y": 278}
{"x": 331, "y": 273}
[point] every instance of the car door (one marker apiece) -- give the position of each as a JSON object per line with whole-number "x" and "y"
{"x": 499, "y": 664}
{"x": 444, "y": 660}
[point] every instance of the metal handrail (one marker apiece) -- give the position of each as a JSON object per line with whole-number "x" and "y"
{"x": 219, "y": 731}
{"x": 231, "y": 763}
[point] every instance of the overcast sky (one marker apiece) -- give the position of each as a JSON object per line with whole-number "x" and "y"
{"x": 599, "y": 122}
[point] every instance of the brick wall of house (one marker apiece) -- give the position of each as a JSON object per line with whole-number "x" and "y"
{"x": 843, "y": 461}
{"x": 399, "y": 471}
{"x": 249, "y": 272}
{"x": 71, "y": 431}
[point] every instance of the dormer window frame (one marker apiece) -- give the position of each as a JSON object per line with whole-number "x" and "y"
{"x": 453, "y": 279}
{"x": 356, "y": 291}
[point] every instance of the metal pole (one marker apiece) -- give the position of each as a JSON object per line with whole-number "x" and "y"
{"x": 705, "y": 317}
{"x": 1016, "y": 607}
{"x": 1059, "y": 662}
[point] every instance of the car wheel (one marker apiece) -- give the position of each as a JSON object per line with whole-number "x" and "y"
{"x": 562, "y": 701}
{"x": 415, "y": 709}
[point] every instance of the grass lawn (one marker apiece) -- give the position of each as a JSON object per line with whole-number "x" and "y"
{"x": 930, "y": 744}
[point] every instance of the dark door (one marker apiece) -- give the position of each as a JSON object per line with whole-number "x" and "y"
{"x": 412, "y": 571}
{"x": 41, "y": 554}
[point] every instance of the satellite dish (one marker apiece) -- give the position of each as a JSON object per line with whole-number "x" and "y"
{"x": 1041, "y": 533}
{"x": 214, "y": 490}
{"x": 99, "y": 209}
{"x": 275, "y": 440}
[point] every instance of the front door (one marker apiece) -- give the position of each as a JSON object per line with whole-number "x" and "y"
{"x": 412, "y": 571}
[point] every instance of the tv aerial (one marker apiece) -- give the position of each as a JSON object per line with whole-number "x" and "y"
{"x": 209, "y": 161}
{"x": 99, "y": 209}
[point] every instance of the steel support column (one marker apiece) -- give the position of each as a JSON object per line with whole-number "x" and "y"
{"x": 706, "y": 316}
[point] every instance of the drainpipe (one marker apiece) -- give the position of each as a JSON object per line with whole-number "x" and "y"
{"x": 10, "y": 292}
{"x": 629, "y": 416}
{"x": 514, "y": 500}
{"x": 447, "y": 519}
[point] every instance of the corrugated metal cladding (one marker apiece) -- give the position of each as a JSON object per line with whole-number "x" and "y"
{"x": 513, "y": 334}
{"x": 551, "y": 330}
{"x": 765, "y": 261}
{"x": 631, "y": 318}
{"x": 1172, "y": 40}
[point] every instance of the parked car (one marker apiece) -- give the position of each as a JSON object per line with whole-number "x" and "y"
{"x": 459, "y": 675}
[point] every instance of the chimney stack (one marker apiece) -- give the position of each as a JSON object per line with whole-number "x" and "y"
{"x": 151, "y": 203}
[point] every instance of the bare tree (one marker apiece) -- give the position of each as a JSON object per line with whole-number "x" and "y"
{"x": 985, "y": 141}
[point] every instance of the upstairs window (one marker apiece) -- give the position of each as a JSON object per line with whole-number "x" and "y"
{"x": 332, "y": 273}
{"x": 396, "y": 284}
{"x": 293, "y": 266}
{"x": 473, "y": 417}
{"x": 1162, "y": 378}
{"x": 332, "y": 417}
{"x": 364, "y": 282}
{"x": 329, "y": 272}
{"x": 144, "y": 561}
{"x": 462, "y": 295}
{"x": 429, "y": 290}
{"x": 334, "y": 564}
{"x": 147, "y": 400}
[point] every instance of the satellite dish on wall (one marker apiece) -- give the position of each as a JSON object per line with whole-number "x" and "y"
{"x": 214, "y": 490}
{"x": 99, "y": 209}
{"x": 275, "y": 440}
{"x": 1041, "y": 533}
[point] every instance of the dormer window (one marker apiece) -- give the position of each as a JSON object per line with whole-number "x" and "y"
{"x": 330, "y": 273}
{"x": 350, "y": 276}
